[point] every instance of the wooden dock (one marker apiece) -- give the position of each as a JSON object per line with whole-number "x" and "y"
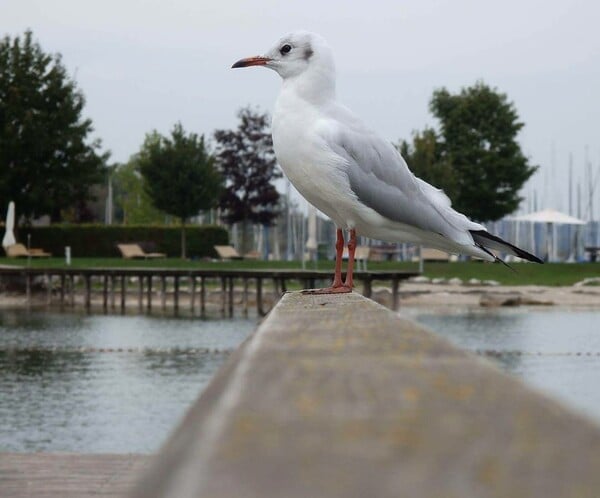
{"x": 153, "y": 287}
{"x": 335, "y": 396}
{"x": 56, "y": 475}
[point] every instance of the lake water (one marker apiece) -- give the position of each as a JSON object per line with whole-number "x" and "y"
{"x": 60, "y": 392}
{"x": 555, "y": 350}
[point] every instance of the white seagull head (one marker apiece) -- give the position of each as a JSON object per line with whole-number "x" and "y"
{"x": 298, "y": 54}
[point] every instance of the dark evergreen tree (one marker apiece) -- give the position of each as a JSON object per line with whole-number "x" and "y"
{"x": 47, "y": 163}
{"x": 246, "y": 159}
{"x": 180, "y": 176}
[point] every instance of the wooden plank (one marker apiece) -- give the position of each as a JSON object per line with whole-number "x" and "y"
{"x": 335, "y": 396}
{"x": 47, "y": 475}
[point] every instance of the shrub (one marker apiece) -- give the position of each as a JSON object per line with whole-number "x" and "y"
{"x": 100, "y": 241}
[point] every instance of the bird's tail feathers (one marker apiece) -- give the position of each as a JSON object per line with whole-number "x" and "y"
{"x": 486, "y": 241}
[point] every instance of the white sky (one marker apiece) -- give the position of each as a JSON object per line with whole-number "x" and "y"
{"x": 144, "y": 65}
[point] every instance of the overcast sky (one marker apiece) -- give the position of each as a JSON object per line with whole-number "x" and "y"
{"x": 145, "y": 65}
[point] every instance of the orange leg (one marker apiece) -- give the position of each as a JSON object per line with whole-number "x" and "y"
{"x": 338, "y": 286}
{"x": 351, "y": 249}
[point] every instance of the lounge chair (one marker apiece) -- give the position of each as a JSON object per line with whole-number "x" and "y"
{"x": 253, "y": 255}
{"x": 134, "y": 251}
{"x": 20, "y": 251}
{"x": 227, "y": 252}
{"x": 434, "y": 255}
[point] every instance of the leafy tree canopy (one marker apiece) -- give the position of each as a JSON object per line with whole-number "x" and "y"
{"x": 247, "y": 161}
{"x": 475, "y": 155}
{"x": 180, "y": 176}
{"x": 245, "y": 157}
{"x": 47, "y": 163}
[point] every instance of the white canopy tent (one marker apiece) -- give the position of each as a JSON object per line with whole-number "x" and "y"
{"x": 551, "y": 218}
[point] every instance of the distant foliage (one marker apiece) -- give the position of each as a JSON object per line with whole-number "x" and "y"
{"x": 100, "y": 241}
{"x": 180, "y": 176}
{"x": 47, "y": 162}
{"x": 474, "y": 156}
{"x": 426, "y": 160}
{"x": 246, "y": 159}
{"x": 133, "y": 205}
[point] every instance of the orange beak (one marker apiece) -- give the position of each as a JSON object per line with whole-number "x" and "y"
{"x": 251, "y": 61}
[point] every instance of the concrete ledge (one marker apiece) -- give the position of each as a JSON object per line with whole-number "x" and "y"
{"x": 336, "y": 396}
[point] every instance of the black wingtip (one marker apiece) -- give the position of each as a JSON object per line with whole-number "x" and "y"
{"x": 516, "y": 250}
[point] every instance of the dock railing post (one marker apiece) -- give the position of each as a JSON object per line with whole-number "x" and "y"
{"x": 105, "y": 293}
{"x": 230, "y": 304}
{"x": 192, "y": 293}
{"x": 113, "y": 285}
{"x": 223, "y": 294}
{"x": 149, "y": 293}
{"x": 245, "y": 297}
{"x": 202, "y": 296}
{"x": 176, "y": 293}
{"x": 87, "y": 278}
{"x": 62, "y": 289}
{"x": 395, "y": 294}
{"x": 123, "y": 292}
{"x": 163, "y": 292}
{"x": 259, "y": 297}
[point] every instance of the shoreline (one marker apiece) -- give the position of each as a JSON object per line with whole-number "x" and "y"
{"x": 412, "y": 294}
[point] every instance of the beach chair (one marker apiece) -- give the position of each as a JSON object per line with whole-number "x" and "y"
{"x": 134, "y": 251}
{"x": 253, "y": 255}
{"x": 227, "y": 252}
{"x": 20, "y": 251}
{"x": 434, "y": 255}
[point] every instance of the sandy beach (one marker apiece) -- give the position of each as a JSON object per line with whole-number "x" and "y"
{"x": 445, "y": 294}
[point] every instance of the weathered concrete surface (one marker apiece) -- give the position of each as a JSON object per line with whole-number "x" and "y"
{"x": 61, "y": 475}
{"x": 335, "y": 396}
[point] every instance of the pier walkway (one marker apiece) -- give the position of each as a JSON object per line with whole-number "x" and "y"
{"x": 113, "y": 286}
{"x": 67, "y": 475}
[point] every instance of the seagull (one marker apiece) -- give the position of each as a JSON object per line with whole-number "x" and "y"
{"x": 352, "y": 175}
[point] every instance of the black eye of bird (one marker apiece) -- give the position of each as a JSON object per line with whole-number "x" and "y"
{"x": 285, "y": 49}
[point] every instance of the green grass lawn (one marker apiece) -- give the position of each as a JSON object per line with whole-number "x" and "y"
{"x": 524, "y": 274}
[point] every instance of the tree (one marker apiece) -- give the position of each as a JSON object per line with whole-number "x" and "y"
{"x": 47, "y": 163}
{"x": 246, "y": 159}
{"x": 478, "y": 130}
{"x": 180, "y": 175}
{"x": 425, "y": 159}
{"x": 132, "y": 201}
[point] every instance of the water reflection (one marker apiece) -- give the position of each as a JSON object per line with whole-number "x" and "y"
{"x": 55, "y": 398}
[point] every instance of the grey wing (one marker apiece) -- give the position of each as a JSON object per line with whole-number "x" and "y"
{"x": 381, "y": 179}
